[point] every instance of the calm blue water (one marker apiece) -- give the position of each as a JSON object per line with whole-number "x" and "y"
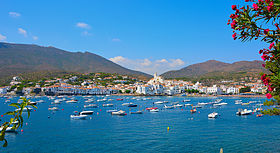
{"x": 144, "y": 132}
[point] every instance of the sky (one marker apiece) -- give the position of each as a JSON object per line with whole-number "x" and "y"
{"x": 145, "y": 35}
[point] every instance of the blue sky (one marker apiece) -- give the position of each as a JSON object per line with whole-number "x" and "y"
{"x": 146, "y": 35}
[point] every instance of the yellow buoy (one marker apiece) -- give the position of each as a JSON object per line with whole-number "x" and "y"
{"x": 168, "y": 128}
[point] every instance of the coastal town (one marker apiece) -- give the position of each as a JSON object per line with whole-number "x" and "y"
{"x": 106, "y": 84}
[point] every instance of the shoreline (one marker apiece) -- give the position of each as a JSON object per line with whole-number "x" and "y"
{"x": 243, "y": 96}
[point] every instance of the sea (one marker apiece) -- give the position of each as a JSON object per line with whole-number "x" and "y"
{"x": 169, "y": 130}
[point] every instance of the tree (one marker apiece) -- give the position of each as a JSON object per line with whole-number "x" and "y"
{"x": 245, "y": 89}
{"x": 260, "y": 20}
{"x": 17, "y": 117}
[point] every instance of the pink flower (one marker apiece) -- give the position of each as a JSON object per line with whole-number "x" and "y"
{"x": 268, "y": 95}
{"x": 263, "y": 65}
{"x": 234, "y": 36}
{"x": 271, "y": 45}
{"x": 266, "y": 31}
{"x": 270, "y": 88}
{"x": 269, "y": 8}
{"x": 255, "y": 6}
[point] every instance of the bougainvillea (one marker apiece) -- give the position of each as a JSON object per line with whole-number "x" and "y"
{"x": 259, "y": 19}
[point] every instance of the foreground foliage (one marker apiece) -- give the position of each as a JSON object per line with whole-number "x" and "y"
{"x": 17, "y": 117}
{"x": 260, "y": 20}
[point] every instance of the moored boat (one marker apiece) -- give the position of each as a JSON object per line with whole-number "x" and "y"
{"x": 86, "y": 113}
{"x": 212, "y": 115}
{"x": 78, "y": 117}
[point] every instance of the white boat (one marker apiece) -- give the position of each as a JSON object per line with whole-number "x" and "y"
{"x": 72, "y": 101}
{"x": 212, "y": 115}
{"x": 53, "y": 109}
{"x": 89, "y": 101}
{"x": 78, "y": 117}
{"x": 154, "y": 110}
{"x": 86, "y": 113}
{"x": 186, "y": 100}
{"x": 177, "y": 105}
{"x": 121, "y": 112}
{"x": 202, "y": 104}
{"x": 244, "y": 112}
{"x": 108, "y": 105}
{"x": 112, "y": 110}
{"x": 25, "y": 109}
{"x": 158, "y": 102}
{"x": 220, "y": 104}
{"x": 90, "y": 106}
{"x": 126, "y": 104}
{"x": 188, "y": 104}
{"x": 101, "y": 100}
{"x": 40, "y": 101}
{"x": 9, "y": 129}
{"x": 57, "y": 101}
{"x": 168, "y": 107}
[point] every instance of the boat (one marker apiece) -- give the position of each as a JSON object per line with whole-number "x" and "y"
{"x": 220, "y": 104}
{"x": 25, "y": 109}
{"x": 186, "y": 100}
{"x": 78, "y": 117}
{"x": 108, "y": 105}
{"x": 137, "y": 112}
{"x": 158, "y": 102}
{"x": 120, "y": 112}
{"x": 188, "y": 104}
{"x": 177, "y": 105}
{"x": 86, "y": 113}
{"x": 8, "y": 129}
{"x": 244, "y": 112}
{"x": 150, "y": 108}
{"x": 53, "y": 109}
{"x": 72, "y": 101}
{"x": 90, "y": 106}
{"x": 40, "y": 101}
{"x": 57, "y": 101}
{"x": 101, "y": 100}
{"x": 32, "y": 103}
{"x": 259, "y": 115}
{"x": 132, "y": 105}
{"x": 193, "y": 110}
{"x": 110, "y": 111}
{"x": 257, "y": 109}
{"x": 126, "y": 104}
{"x": 168, "y": 107}
{"x": 154, "y": 110}
{"x": 89, "y": 101}
{"x": 212, "y": 115}
{"x": 245, "y": 104}
{"x": 119, "y": 99}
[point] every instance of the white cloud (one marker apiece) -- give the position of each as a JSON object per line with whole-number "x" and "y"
{"x": 35, "y": 38}
{"x": 116, "y": 40}
{"x": 14, "y": 14}
{"x": 2, "y": 38}
{"x": 83, "y": 25}
{"x": 149, "y": 66}
{"x": 22, "y": 31}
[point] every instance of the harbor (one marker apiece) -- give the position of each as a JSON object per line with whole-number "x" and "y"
{"x": 143, "y": 124}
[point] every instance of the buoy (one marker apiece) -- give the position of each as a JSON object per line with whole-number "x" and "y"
{"x": 26, "y": 123}
{"x": 182, "y": 109}
{"x": 168, "y": 128}
{"x": 2, "y": 115}
{"x": 34, "y": 110}
{"x": 100, "y": 110}
{"x": 21, "y": 130}
{"x": 62, "y": 109}
{"x": 97, "y": 113}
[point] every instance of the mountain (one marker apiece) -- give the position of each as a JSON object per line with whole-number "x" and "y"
{"x": 217, "y": 68}
{"x": 24, "y": 58}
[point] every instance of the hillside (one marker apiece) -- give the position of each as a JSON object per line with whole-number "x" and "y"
{"x": 218, "y": 69}
{"x": 23, "y": 58}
